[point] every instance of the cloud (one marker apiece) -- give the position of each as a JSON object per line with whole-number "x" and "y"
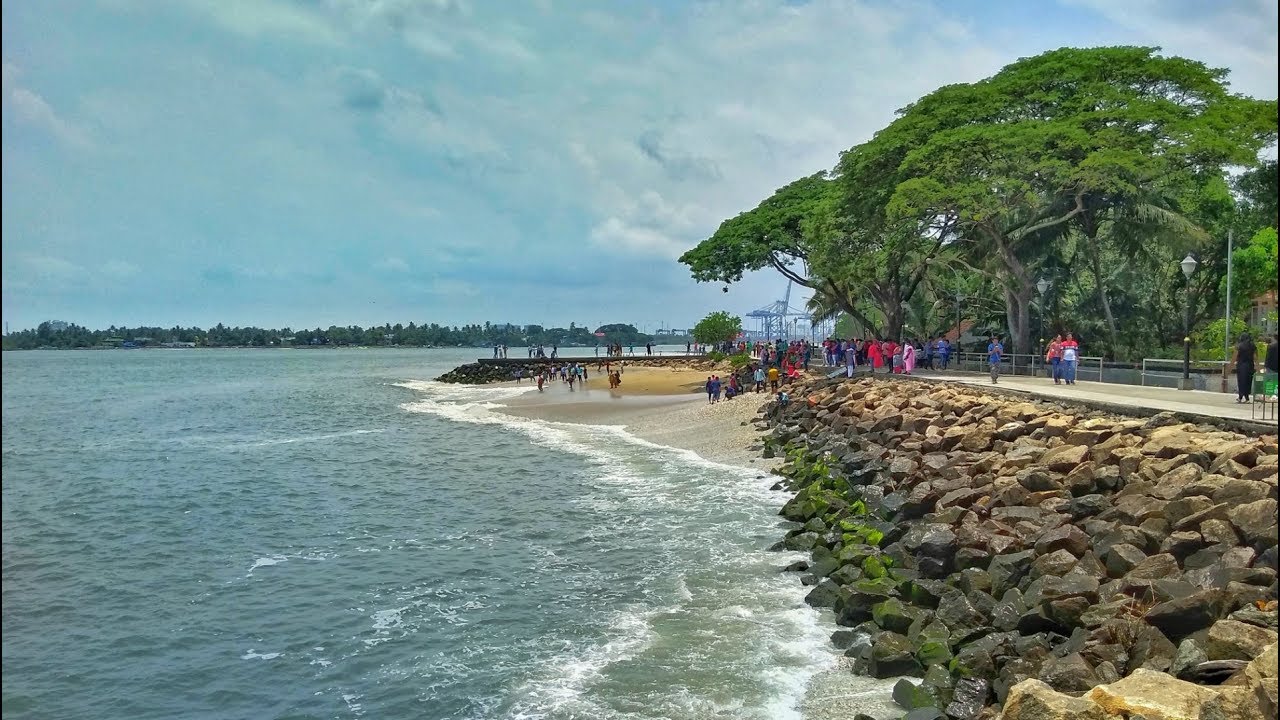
{"x": 31, "y": 109}
{"x": 392, "y": 265}
{"x": 539, "y": 156}
{"x": 362, "y": 90}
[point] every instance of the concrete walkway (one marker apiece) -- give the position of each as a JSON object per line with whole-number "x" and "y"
{"x": 1153, "y": 399}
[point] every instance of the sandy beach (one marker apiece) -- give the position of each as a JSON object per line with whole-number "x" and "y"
{"x": 661, "y": 405}
{"x": 669, "y": 407}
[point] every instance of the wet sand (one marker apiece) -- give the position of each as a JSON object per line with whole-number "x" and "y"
{"x": 663, "y": 406}
{"x": 669, "y": 407}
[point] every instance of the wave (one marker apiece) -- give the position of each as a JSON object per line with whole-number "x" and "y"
{"x": 750, "y": 621}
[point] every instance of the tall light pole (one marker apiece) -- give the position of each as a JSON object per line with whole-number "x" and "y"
{"x": 1043, "y": 286}
{"x": 1188, "y": 267}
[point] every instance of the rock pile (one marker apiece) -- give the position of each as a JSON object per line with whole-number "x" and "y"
{"x": 1026, "y": 555}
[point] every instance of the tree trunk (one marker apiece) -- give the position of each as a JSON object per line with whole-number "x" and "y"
{"x": 1095, "y": 258}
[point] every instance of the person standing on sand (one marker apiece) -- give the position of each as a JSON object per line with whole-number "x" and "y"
{"x": 774, "y": 374}
{"x": 707, "y": 386}
{"x": 716, "y": 386}
{"x": 994, "y": 351}
{"x": 758, "y": 376}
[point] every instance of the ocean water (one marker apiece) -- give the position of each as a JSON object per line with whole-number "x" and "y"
{"x": 329, "y": 534}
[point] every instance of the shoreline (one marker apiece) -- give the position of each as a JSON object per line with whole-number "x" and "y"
{"x": 730, "y": 432}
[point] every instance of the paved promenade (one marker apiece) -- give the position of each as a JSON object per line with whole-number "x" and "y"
{"x": 1191, "y": 402}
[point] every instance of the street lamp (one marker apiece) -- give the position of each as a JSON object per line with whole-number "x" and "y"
{"x": 1043, "y": 286}
{"x": 1188, "y": 267}
{"x": 905, "y": 307}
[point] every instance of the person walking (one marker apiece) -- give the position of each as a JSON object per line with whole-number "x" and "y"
{"x": 1053, "y": 356}
{"x": 994, "y": 351}
{"x": 1245, "y": 355}
{"x": 1070, "y": 356}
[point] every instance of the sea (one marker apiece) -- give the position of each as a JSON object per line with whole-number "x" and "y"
{"x": 328, "y": 533}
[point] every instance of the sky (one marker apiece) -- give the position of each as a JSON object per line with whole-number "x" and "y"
{"x": 331, "y": 162}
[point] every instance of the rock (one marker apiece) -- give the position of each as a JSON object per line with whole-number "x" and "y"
{"x": 1182, "y": 544}
{"x": 1183, "y": 616}
{"x": 1235, "y": 491}
{"x": 1234, "y": 640}
{"x": 910, "y": 695}
{"x": 1213, "y": 512}
{"x": 826, "y": 594}
{"x": 1259, "y": 679}
{"x": 925, "y": 713}
{"x": 1254, "y": 615}
{"x": 1119, "y": 559}
{"x": 894, "y": 615}
{"x": 968, "y": 698}
{"x": 1155, "y": 567}
{"x": 1035, "y": 700}
{"x": 1190, "y": 654}
{"x": 1071, "y": 673}
{"x": 803, "y": 541}
{"x": 1055, "y": 564}
{"x": 1064, "y": 458}
{"x": 1065, "y": 537}
{"x": 1218, "y": 532}
{"x": 1156, "y": 695}
{"x": 1256, "y": 522}
{"x": 891, "y": 656}
{"x": 1151, "y": 650}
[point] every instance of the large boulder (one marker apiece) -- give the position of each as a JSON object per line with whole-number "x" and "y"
{"x": 1234, "y": 640}
{"x": 1159, "y": 696}
{"x": 1256, "y": 522}
{"x": 1035, "y": 700}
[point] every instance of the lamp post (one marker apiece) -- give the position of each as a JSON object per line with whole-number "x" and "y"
{"x": 1043, "y": 286}
{"x": 1188, "y": 267}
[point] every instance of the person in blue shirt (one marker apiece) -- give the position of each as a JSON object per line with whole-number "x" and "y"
{"x": 994, "y": 351}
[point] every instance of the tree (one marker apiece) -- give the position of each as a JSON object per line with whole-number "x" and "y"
{"x": 717, "y": 327}
{"x": 1018, "y": 157}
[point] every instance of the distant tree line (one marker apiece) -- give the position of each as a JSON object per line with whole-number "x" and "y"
{"x": 69, "y": 335}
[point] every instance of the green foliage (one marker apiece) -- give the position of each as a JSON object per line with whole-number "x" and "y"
{"x": 1253, "y": 268}
{"x": 739, "y": 360}
{"x": 1097, "y": 169}
{"x": 717, "y": 327}
{"x": 716, "y": 356}
{"x": 1209, "y": 343}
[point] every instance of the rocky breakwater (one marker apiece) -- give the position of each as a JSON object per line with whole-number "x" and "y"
{"x": 1032, "y": 559}
{"x": 490, "y": 371}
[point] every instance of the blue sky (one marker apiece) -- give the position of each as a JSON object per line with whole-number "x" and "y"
{"x": 281, "y": 162}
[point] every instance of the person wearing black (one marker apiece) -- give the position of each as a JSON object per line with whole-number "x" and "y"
{"x": 1245, "y": 352}
{"x": 1273, "y": 356}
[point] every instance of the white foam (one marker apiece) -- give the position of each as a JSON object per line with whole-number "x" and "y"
{"x": 251, "y": 655}
{"x": 266, "y": 562}
{"x": 565, "y": 677}
{"x": 789, "y": 639}
{"x": 302, "y": 439}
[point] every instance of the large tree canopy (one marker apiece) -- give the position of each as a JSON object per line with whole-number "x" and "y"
{"x": 1095, "y": 169}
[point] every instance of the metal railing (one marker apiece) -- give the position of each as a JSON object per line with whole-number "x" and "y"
{"x": 1211, "y": 375}
{"x": 1087, "y": 367}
